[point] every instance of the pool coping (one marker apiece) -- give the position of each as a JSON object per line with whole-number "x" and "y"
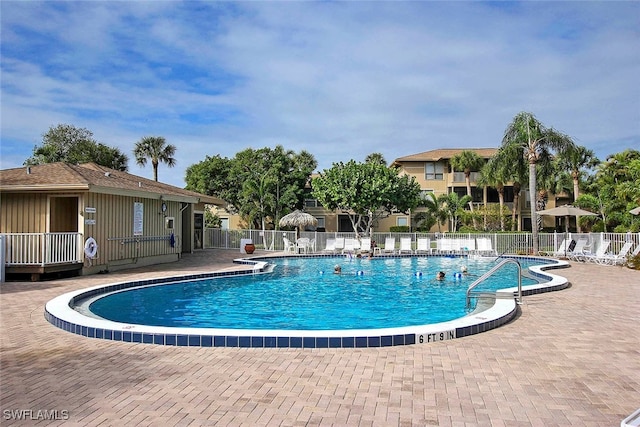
{"x": 59, "y": 312}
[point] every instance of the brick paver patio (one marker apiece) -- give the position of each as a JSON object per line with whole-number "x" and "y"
{"x": 572, "y": 358}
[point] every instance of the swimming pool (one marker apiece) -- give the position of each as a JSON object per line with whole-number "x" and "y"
{"x": 305, "y": 294}
{"x": 359, "y": 276}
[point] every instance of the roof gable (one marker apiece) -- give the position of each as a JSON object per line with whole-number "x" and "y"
{"x": 91, "y": 177}
{"x": 444, "y": 154}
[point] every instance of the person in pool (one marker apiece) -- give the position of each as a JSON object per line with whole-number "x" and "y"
{"x": 337, "y": 269}
{"x": 464, "y": 270}
{"x": 440, "y": 275}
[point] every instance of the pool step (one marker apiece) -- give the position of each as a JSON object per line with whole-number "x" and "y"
{"x": 494, "y": 295}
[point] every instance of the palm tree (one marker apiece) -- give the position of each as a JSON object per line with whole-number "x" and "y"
{"x": 533, "y": 140}
{"x": 435, "y": 213}
{"x": 377, "y": 158}
{"x": 156, "y": 149}
{"x": 510, "y": 164}
{"x": 575, "y": 161}
{"x": 493, "y": 176}
{"x": 468, "y": 161}
{"x": 453, "y": 204}
{"x": 261, "y": 201}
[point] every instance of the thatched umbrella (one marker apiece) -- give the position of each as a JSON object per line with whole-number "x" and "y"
{"x": 297, "y": 219}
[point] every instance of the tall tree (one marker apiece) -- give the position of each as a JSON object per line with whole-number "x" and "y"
{"x": 375, "y": 158}
{"x": 157, "y": 150}
{"x": 365, "y": 192}
{"x": 616, "y": 186}
{"x": 261, "y": 200}
{"x": 70, "y": 144}
{"x": 577, "y": 162}
{"x": 533, "y": 140}
{"x": 512, "y": 166}
{"x": 260, "y": 185}
{"x": 468, "y": 161}
{"x": 494, "y": 176}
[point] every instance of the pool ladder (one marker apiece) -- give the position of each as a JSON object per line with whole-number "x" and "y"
{"x": 472, "y": 294}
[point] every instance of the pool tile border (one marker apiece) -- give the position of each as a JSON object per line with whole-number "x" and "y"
{"x": 59, "y": 312}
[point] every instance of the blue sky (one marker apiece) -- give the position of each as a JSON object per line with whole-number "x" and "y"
{"x": 338, "y": 79}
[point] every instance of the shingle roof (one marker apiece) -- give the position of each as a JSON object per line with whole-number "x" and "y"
{"x": 445, "y": 153}
{"x": 91, "y": 177}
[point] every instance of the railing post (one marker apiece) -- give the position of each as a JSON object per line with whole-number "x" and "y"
{"x": 2, "y": 257}
{"x": 44, "y": 249}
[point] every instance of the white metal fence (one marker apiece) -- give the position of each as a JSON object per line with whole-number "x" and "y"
{"x": 57, "y": 248}
{"x": 42, "y": 248}
{"x": 501, "y": 243}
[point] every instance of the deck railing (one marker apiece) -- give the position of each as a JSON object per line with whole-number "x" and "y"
{"x": 23, "y": 249}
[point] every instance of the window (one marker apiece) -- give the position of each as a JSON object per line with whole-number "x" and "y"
{"x": 402, "y": 221}
{"x": 312, "y": 203}
{"x": 434, "y": 170}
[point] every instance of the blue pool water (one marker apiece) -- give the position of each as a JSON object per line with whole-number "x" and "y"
{"x": 305, "y": 294}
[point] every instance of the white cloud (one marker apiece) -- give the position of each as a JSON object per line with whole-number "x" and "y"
{"x": 340, "y": 80}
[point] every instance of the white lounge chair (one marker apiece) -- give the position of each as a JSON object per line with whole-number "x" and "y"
{"x": 339, "y": 244}
{"x": 350, "y": 246}
{"x": 443, "y": 245}
{"x": 365, "y": 244}
{"x": 600, "y": 253}
{"x": 563, "y": 249}
{"x": 423, "y": 245}
{"x": 389, "y": 245}
{"x": 616, "y": 259}
{"x": 405, "y": 245}
{"x": 467, "y": 245}
{"x": 484, "y": 246}
{"x": 581, "y": 249}
{"x": 330, "y": 246}
{"x": 448, "y": 246}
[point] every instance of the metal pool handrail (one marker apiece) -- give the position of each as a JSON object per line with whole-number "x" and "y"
{"x": 490, "y": 273}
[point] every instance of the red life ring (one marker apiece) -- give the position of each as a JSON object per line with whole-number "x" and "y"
{"x": 91, "y": 247}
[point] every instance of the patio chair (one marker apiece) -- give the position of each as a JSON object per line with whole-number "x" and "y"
{"x": 302, "y": 244}
{"x": 467, "y": 245}
{"x": 389, "y": 245}
{"x": 339, "y": 244}
{"x": 600, "y": 253}
{"x": 365, "y": 244}
{"x": 444, "y": 245}
{"x": 636, "y": 251}
{"x": 330, "y": 246}
{"x": 289, "y": 246}
{"x": 350, "y": 246}
{"x": 563, "y": 249}
{"x": 423, "y": 245}
{"x": 405, "y": 245}
{"x": 581, "y": 248}
{"x": 485, "y": 246}
{"x": 616, "y": 259}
